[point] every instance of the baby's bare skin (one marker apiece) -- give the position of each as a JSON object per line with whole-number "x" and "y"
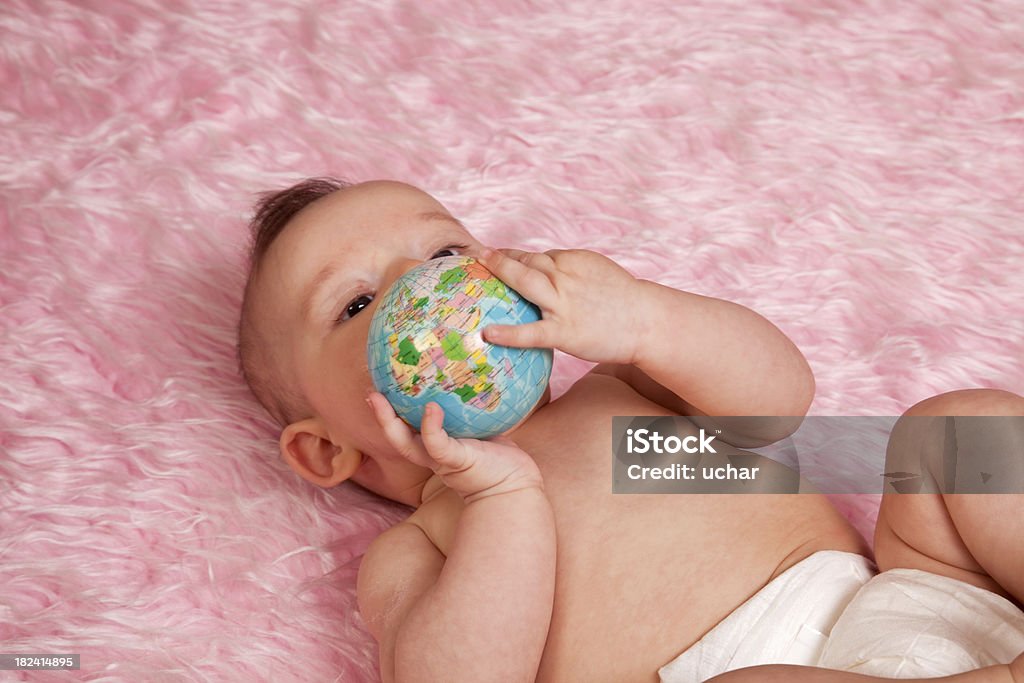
{"x": 631, "y": 580}
{"x": 519, "y": 563}
{"x": 641, "y": 578}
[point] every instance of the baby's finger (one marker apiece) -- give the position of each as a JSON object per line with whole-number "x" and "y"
{"x": 397, "y": 432}
{"x": 442, "y": 448}
{"x": 528, "y": 335}
{"x": 541, "y": 261}
{"x": 528, "y": 281}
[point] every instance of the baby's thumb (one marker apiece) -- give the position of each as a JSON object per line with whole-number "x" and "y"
{"x": 446, "y": 452}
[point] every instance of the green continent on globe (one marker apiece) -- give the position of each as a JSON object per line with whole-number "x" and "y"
{"x": 407, "y": 353}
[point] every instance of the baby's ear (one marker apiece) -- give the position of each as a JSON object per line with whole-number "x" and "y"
{"x": 308, "y": 450}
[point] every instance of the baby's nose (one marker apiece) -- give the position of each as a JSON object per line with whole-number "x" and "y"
{"x": 407, "y": 264}
{"x": 401, "y": 266}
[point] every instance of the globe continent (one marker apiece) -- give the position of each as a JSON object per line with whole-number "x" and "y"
{"x": 425, "y": 345}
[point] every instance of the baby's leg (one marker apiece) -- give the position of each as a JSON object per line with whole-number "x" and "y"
{"x": 783, "y": 673}
{"x": 977, "y": 538}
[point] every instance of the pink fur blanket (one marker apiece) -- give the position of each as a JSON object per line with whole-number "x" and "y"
{"x": 853, "y": 171}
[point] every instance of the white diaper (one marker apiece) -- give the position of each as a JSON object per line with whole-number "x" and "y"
{"x": 832, "y": 610}
{"x": 786, "y": 622}
{"x": 906, "y": 623}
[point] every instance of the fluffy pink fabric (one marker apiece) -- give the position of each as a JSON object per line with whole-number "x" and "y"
{"x": 853, "y": 171}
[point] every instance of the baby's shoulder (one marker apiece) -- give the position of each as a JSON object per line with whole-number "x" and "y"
{"x": 405, "y": 539}
{"x": 397, "y": 568}
{"x": 401, "y": 552}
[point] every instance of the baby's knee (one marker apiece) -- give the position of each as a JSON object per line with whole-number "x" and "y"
{"x": 970, "y": 402}
{"x": 965, "y": 441}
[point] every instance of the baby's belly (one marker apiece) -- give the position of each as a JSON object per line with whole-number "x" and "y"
{"x": 642, "y": 577}
{"x": 632, "y": 596}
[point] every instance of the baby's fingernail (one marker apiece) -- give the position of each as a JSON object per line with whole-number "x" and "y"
{"x": 486, "y": 253}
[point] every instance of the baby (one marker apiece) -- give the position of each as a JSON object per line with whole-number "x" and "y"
{"x": 518, "y": 563}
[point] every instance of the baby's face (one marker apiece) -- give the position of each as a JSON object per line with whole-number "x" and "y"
{"x": 318, "y": 288}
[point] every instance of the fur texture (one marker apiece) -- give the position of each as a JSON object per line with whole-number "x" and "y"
{"x": 854, "y": 171}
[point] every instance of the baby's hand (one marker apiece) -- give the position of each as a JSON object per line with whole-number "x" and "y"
{"x": 472, "y": 468}
{"x": 591, "y": 306}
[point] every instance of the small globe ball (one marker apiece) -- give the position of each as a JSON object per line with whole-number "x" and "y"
{"x": 425, "y": 345}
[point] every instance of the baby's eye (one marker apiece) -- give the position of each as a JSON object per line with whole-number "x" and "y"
{"x": 450, "y": 250}
{"x": 354, "y": 306}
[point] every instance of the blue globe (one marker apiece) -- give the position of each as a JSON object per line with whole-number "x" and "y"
{"x": 425, "y": 345}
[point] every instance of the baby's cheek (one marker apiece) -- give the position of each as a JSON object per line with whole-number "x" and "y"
{"x": 390, "y": 477}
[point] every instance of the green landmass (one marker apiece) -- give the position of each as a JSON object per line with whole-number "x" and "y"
{"x": 407, "y": 353}
{"x": 496, "y": 288}
{"x": 450, "y": 278}
{"x": 452, "y": 346}
{"x": 465, "y": 392}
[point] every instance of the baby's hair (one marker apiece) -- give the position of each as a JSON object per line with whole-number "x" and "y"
{"x": 273, "y": 211}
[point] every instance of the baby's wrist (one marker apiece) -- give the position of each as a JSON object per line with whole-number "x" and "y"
{"x": 646, "y": 319}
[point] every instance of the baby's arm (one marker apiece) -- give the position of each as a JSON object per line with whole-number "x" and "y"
{"x": 482, "y": 613}
{"x": 696, "y": 355}
{"x": 702, "y": 356}
{"x": 723, "y": 358}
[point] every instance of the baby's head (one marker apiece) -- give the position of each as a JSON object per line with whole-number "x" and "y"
{"x": 321, "y": 252}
